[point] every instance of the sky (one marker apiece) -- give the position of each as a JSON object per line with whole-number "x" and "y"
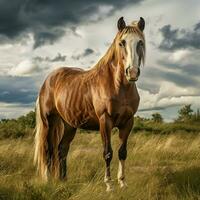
{"x": 37, "y": 37}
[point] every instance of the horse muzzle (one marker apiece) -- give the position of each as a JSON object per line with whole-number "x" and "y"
{"x": 132, "y": 74}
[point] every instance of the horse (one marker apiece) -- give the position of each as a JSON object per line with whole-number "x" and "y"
{"x": 100, "y": 98}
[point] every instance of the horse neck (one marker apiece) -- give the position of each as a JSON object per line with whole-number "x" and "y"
{"x": 112, "y": 65}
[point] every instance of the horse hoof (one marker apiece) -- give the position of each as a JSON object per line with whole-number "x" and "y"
{"x": 123, "y": 184}
{"x": 109, "y": 189}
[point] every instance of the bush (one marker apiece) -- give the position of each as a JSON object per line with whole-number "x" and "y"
{"x": 165, "y": 128}
{"x": 17, "y": 128}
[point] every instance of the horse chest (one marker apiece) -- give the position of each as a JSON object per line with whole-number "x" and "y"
{"x": 123, "y": 105}
{"x": 122, "y": 110}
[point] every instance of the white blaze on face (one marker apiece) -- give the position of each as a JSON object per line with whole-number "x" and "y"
{"x": 131, "y": 58}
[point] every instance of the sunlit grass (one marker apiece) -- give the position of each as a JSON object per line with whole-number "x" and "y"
{"x": 157, "y": 167}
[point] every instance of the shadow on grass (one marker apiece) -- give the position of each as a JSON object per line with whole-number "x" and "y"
{"x": 185, "y": 182}
{"x": 6, "y": 193}
{"x": 27, "y": 192}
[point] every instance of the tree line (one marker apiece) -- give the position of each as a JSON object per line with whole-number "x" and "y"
{"x": 187, "y": 120}
{"x": 185, "y": 114}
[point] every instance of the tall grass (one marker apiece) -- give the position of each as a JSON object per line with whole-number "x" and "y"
{"x": 158, "y": 167}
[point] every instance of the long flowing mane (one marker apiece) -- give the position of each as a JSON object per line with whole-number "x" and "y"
{"x": 112, "y": 55}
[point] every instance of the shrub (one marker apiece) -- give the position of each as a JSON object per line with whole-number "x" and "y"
{"x": 17, "y": 128}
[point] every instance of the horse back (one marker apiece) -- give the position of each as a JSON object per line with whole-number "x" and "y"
{"x": 67, "y": 92}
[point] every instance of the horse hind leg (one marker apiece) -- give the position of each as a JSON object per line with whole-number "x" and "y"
{"x": 55, "y": 134}
{"x": 63, "y": 149}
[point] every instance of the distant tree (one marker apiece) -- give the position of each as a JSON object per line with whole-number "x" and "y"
{"x": 185, "y": 113}
{"x": 27, "y": 121}
{"x": 4, "y": 120}
{"x": 30, "y": 118}
{"x": 157, "y": 117}
{"x": 138, "y": 121}
{"x": 196, "y": 116}
{"x": 17, "y": 128}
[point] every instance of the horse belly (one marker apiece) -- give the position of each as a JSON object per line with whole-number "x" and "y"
{"x": 91, "y": 124}
{"x": 81, "y": 119}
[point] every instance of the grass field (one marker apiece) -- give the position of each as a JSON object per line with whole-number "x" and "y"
{"x": 157, "y": 167}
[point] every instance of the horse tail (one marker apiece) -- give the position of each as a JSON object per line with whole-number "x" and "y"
{"x": 48, "y": 134}
{"x": 41, "y": 131}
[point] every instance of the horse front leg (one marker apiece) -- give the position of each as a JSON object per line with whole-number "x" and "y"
{"x": 122, "y": 152}
{"x": 105, "y": 130}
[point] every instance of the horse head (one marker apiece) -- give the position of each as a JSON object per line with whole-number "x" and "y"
{"x": 130, "y": 45}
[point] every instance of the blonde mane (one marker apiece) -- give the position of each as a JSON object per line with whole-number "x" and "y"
{"x": 111, "y": 54}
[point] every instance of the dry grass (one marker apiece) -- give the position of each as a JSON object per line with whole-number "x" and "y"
{"x": 158, "y": 167}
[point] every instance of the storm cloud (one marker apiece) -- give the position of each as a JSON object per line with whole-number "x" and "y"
{"x": 58, "y": 58}
{"x": 47, "y": 20}
{"x": 161, "y": 74}
{"x": 191, "y": 70}
{"x": 175, "y": 38}
{"x": 85, "y": 53}
{"x": 22, "y": 90}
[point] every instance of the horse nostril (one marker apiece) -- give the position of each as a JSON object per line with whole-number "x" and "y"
{"x": 127, "y": 70}
{"x": 138, "y": 73}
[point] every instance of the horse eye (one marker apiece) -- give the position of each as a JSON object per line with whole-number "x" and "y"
{"x": 140, "y": 43}
{"x": 139, "y": 47}
{"x": 122, "y": 43}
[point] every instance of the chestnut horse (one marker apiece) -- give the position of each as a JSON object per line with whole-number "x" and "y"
{"x": 101, "y": 98}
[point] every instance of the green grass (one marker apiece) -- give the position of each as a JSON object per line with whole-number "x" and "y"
{"x": 158, "y": 167}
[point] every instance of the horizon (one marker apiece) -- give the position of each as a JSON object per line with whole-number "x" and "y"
{"x": 141, "y": 114}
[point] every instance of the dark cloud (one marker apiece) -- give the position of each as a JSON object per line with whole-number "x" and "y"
{"x": 180, "y": 79}
{"x": 58, "y": 58}
{"x": 145, "y": 83}
{"x": 154, "y": 76}
{"x": 190, "y": 70}
{"x": 174, "y": 39}
{"x": 47, "y": 19}
{"x": 85, "y": 53}
{"x": 197, "y": 27}
{"x": 151, "y": 109}
{"x": 22, "y": 90}
{"x": 48, "y": 36}
{"x": 159, "y": 108}
{"x": 74, "y": 31}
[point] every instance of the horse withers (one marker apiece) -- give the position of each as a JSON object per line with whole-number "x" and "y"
{"x": 101, "y": 98}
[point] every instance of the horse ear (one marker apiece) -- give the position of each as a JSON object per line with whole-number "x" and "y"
{"x": 141, "y": 24}
{"x": 121, "y": 24}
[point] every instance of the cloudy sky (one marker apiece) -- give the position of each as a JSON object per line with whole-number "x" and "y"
{"x": 39, "y": 36}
